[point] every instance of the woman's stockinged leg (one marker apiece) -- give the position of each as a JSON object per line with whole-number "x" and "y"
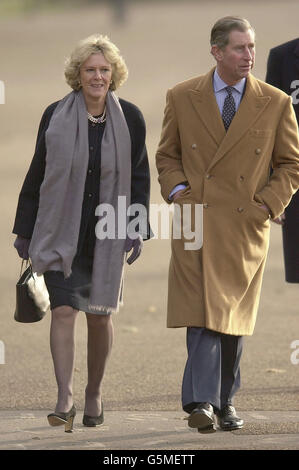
{"x": 62, "y": 343}
{"x": 100, "y": 340}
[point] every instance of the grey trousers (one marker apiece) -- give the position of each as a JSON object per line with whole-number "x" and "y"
{"x": 212, "y": 372}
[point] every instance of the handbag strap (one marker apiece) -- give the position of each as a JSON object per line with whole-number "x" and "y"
{"x": 27, "y": 262}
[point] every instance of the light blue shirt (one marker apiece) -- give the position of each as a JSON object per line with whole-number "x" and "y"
{"x": 220, "y": 94}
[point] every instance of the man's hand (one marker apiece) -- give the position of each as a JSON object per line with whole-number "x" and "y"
{"x": 137, "y": 245}
{"x": 177, "y": 195}
{"x": 21, "y": 244}
{"x": 266, "y": 208}
{"x": 280, "y": 220}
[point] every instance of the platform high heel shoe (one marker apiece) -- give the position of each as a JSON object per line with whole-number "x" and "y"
{"x": 66, "y": 419}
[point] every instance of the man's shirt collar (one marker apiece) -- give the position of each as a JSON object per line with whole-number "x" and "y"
{"x": 219, "y": 84}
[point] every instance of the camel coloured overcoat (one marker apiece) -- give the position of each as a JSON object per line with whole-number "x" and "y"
{"x": 218, "y": 286}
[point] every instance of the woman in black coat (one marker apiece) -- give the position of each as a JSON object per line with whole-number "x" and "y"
{"x": 94, "y": 70}
{"x": 283, "y": 72}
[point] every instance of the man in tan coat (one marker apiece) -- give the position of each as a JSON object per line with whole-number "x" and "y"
{"x": 222, "y": 132}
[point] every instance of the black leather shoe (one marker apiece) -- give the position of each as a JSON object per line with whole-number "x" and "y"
{"x": 202, "y": 418}
{"x": 92, "y": 421}
{"x": 228, "y": 420}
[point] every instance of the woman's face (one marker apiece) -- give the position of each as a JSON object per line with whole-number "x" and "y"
{"x": 95, "y": 76}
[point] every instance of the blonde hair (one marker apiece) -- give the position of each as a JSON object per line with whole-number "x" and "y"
{"x": 92, "y": 45}
{"x": 222, "y": 28}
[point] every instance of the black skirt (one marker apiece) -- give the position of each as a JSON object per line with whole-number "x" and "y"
{"x": 73, "y": 291}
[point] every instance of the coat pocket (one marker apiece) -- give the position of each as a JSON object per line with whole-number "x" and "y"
{"x": 186, "y": 192}
{"x": 262, "y": 213}
{"x": 260, "y": 133}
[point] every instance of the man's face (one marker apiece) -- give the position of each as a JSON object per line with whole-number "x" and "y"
{"x": 235, "y": 61}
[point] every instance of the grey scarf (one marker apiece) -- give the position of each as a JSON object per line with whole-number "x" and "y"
{"x": 55, "y": 237}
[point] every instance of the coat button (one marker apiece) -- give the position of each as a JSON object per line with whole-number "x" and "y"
{"x": 242, "y": 178}
{"x": 89, "y": 172}
{"x": 240, "y": 209}
{"x": 90, "y": 148}
{"x": 89, "y": 195}
{"x": 208, "y": 176}
{"x": 258, "y": 151}
{"x": 205, "y": 205}
{"x": 194, "y": 146}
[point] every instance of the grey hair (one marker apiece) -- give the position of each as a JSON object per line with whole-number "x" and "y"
{"x": 222, "y": 28}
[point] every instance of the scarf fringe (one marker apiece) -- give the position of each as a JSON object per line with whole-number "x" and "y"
{"x": 103, "y": 308}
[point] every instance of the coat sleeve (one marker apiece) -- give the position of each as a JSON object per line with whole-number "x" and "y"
{"x": 29, "y": 196}
{"x": 284, "y": 181}
{"x": 140, "y": 172}
{"x": 169, "y": 155}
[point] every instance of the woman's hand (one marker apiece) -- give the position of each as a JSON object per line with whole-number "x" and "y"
{"x": 136, "y": 245}
{"x": 21, "y": 244}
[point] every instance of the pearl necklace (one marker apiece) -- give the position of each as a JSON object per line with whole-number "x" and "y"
{"x": 98, "y": 120}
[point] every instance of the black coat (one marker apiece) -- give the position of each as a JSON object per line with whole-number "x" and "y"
{"x": 140, "y": 177}
{"x": 282, "y": 71}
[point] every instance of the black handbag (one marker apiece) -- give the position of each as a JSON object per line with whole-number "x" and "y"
{"x": 32, "y": 297}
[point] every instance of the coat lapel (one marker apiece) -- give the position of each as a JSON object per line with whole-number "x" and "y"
{"x": 252, "y": 106}
{"x": 205, "y": 104}
{"x": 204, "y": 101}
